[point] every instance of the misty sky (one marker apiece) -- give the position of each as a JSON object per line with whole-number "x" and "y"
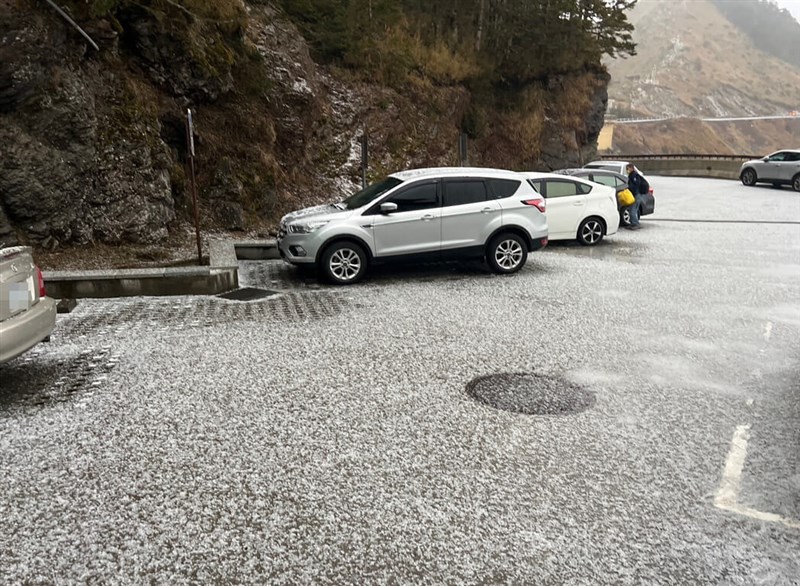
{"x": 792, "y": 6}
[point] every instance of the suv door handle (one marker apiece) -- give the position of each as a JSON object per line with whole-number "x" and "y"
{"x": 578, "y": 203}
{"x": 427, "y": 217}
{"x": 487, "y": 210}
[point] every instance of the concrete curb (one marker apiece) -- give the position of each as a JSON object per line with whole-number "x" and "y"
{"x": 221, "y": 275}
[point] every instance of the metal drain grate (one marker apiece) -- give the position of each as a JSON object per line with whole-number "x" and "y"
{"x": 247, "y": 294}
{"x": 530, "y": 394}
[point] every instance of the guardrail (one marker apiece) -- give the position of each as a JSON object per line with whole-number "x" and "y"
{"x": 687, "y": 165}
{"x": 679, "y": 156}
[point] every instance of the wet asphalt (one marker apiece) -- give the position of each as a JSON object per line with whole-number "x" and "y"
{"x": 327, "y": 436}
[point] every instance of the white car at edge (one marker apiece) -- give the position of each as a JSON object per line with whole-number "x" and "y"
{"x": 577, "y": 209}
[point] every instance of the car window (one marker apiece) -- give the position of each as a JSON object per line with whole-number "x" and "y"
{"x": 463, "y": 191}
{"x": 370, "y": 193}
{"x": 501, "y": 188}
{"x": 536, "y": 184}
{"x": 602, "y": 166}
{"x": 777, "y": 157}
{"x": 792, "y": 157}
{"x": 620, "y": 182}
{"x": 605, "y": 179}
{"x": 559, "y": 188}
{"x": 417, "y": 197}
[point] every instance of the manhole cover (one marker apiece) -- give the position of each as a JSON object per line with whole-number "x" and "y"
{"x": 247, "y": 294}
{"x": 531, "y": 394}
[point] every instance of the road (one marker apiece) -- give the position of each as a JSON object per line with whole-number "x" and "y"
{"x": 325, "y": 435}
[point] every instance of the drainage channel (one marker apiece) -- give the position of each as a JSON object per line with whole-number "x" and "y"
{"x": 530, "y": 394}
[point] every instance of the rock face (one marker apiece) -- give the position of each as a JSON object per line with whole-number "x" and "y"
{"x": 69, "y": 173}
{"x": 94, "y": 144}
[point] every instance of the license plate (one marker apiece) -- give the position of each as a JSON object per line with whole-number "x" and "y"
{"x": 19, "y": 297}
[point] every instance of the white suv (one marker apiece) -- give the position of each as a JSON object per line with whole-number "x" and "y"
{"x": 420, "y": 215}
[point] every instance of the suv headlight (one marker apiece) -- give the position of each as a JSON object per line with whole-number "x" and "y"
{"x": 307, "y": 227}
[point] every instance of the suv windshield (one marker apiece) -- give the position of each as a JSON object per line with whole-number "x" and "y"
{"x": 370, "y": 193}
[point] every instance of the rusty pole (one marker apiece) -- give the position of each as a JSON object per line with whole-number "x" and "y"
{"x": 192, "y": 185}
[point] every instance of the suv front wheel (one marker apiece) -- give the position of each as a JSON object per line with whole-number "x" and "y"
{"x": 506, "y": 253}
{"x": 748, "y": 177}
{"x": 344, "y": 263}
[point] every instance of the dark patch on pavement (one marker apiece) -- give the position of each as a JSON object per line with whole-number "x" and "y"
{"x": 530, "y": 394}
{"x": 247, "y": 294}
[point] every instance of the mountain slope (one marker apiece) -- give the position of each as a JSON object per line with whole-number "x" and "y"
{"x": 692, "y": 61}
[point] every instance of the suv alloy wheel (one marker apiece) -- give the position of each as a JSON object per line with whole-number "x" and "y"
{"x": 344, "y": 263}
{"x": 506, "y": 253}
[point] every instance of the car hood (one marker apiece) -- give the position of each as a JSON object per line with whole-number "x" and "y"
{"x": 751, "y": 161}
{"x": 323, "y": 212}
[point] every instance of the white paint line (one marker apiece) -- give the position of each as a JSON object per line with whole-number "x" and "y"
{"x": 728, "y": 492}
{"x": 768, "y": 331}
{"x": 761, "y": 516}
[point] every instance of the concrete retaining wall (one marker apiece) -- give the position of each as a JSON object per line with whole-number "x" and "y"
{"x": 717, "y": 168}
{"x": 220, "y": 276}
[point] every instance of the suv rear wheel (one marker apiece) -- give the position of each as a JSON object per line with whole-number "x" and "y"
{"x": 344, "y": 263}
{"x": 796, "y": 182}
{"x": 506, "y": 253}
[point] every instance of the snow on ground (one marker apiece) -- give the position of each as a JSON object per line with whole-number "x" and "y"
{"x": 324, "y": 435}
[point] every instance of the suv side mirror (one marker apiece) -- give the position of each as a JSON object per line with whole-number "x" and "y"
{"x": 388, "y": 207}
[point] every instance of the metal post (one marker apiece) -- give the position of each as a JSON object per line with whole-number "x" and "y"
{"x": 462, "y": 149}
{"x": 364, "y": 159}
{"x": 192, "y": 184}
{"x": 66, "y": 17}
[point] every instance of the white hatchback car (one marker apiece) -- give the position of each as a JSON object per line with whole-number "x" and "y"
{"x": 577, "y": 209}
{"x": 420, "y": 215}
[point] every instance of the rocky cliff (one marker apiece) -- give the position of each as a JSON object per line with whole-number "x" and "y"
{"x": 94, "y": 143}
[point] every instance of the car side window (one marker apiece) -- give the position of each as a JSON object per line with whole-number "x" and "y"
{"x": 777, "y": 158}
{"x": 502, "y": 188}
{"x": 417, "y": 197}
{"x": 620, "y": 182}
{"x": 792, "y": 157}
{"x": 463, "y": 191}
{"x": 605, "y": 180}
{"x": 562, "y": 188}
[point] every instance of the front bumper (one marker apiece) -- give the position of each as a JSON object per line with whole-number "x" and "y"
{"x": 297, "y": 248}
{"x": 22, "y": 332}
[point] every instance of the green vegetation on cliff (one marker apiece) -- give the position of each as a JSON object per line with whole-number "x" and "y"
{"x": 512, "y": 41}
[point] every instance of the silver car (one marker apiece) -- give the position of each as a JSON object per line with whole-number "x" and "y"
{"x": 27, "y": 315}
{"x": 779, "y": 168}
{"x": 421, "y": 215}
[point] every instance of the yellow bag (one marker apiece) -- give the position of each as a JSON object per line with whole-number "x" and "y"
{"x": 625, "y": 198}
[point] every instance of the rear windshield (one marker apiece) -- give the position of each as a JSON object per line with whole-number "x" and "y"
{"x": 370, "y": 193}
{"x": 601, "y": 166}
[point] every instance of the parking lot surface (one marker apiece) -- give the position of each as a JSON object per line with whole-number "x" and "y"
{"x": 339, "y": 435}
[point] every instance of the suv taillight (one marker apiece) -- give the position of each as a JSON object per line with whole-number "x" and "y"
{"x": 537, "y": 202}
{"x": 40, "y": 277}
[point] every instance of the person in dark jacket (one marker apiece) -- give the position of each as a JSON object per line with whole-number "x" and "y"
{"x": 638, "y": 186}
